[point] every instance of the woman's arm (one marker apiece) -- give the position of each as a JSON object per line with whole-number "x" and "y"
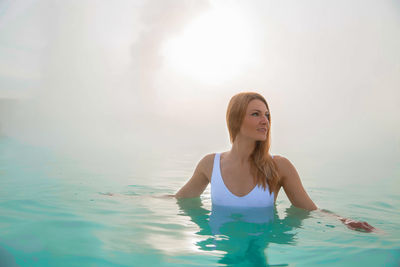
{"x": 291, "y": 183}
{"x": 199, "y": 181}
{"x": 294, "y": 189}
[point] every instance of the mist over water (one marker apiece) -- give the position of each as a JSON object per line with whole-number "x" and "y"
{"x": 93, "y": 78}
{"x": 105, "y": 106}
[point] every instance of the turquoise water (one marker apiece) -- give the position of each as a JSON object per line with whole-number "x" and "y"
{"x": 58, "y": 210}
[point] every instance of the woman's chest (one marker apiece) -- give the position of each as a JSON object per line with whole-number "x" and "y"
{"x": 238, "y": 180}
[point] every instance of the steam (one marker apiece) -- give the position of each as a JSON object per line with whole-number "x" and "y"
{"x": 98, "y": 63}
{"x": 91, "y": 75}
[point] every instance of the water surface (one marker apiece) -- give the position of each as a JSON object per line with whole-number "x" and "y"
{"x": 59, "y": 210}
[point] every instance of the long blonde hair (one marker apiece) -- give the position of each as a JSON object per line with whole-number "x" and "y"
{"x": 262, "y": 167}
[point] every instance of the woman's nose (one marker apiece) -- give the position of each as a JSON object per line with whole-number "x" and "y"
{"x": 264, "y": 120}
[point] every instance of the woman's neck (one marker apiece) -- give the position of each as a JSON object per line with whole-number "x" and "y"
{"x": 242, "y": 149}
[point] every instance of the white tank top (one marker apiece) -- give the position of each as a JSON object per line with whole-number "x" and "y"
{"x": 220, "y": 194}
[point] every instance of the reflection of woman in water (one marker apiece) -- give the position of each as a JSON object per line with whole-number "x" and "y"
{"x": 247, "y": 176}
{"x": 242, "y": 234}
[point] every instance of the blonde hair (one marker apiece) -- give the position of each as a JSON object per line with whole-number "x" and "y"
{"x": 262, "y": 166}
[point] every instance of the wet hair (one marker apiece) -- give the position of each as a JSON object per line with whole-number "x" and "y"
{"x": 262, "y": 166}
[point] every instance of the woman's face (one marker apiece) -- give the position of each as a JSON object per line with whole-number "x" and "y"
{"x": 256, "y": 121}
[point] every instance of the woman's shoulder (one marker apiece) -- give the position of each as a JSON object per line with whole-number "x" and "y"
{"x": 209, "y": 158}
{"x": 278, "y": 158}
{"x": 206, "y": 164}
{"x": 207, "y": 161}
{"x": 282, "y": 163}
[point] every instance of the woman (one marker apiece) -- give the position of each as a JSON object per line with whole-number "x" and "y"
{"x": 247, "y": 175}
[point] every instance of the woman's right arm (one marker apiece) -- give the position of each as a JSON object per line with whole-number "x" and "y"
{"x": 199, "y": 181}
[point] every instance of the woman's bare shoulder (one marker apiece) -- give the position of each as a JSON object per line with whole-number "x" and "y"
{"x": 279, "y": 159}
{"x": 206, "y": 164}
{"x": 207, "y": 159}
{"x": 282, "y": 163}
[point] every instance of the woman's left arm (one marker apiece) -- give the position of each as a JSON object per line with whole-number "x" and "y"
{"x": 291, "y": 183}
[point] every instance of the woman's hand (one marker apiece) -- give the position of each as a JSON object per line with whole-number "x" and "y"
{"x": 357, "y": 225}
{"x": 353, "y": 224}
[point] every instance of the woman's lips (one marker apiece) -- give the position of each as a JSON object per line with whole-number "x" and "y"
{"x": 263, "y": 130}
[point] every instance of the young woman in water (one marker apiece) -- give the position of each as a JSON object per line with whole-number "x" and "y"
{"x": 247, "y": 175}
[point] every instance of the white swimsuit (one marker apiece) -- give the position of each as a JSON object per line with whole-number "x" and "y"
{"x": 220, "y": 194}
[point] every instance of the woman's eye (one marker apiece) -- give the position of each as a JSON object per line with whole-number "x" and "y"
{"x": 254, "y": 114}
